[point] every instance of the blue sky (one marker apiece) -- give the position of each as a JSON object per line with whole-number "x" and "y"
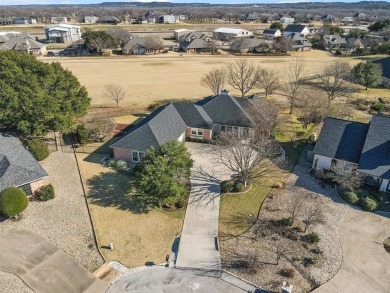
{"x": 25, "y": 2}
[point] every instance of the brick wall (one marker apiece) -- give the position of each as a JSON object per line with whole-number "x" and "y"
{"x": 122, "y": 154}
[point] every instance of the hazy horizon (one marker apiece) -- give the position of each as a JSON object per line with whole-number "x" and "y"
{"x": 253, "y": 2}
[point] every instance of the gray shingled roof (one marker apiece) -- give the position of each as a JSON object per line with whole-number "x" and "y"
{"x": 270, "y": 31}
{"x": 163, "y": 125}
{"x": 375, "y": 158}
{"x": 341, "y": 139}
{"x": 22, "y": 43}
{"x": 385, "y": 63}
{"x": 195, "y": 44}
{"x": 17, "y": 165}
{"x": 295, "y": 28}
{"x": 194, "y": 116}
{"x": 226, "y": 110}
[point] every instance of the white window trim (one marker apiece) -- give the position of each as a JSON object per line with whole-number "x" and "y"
{"x": 199, "y": 132}
{"x": 139, "y": 154}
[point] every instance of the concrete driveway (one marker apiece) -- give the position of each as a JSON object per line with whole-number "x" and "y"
{"x": 44, "y": 267}
{"x": 366, "y": 265}
{"x": 198, "y": 244}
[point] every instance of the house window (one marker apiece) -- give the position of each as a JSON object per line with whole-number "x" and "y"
{"x": 223, "y": 128}
{"x": 245, "y": 132}
{"x": 197, "y": 131}
{"x": 229, "y": 128}
{"x": 26, "y": 188}
{"x": 137, "y": 156}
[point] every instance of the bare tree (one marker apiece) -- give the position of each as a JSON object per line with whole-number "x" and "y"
{"x": 121, "y": 36}
{"x": 250, "y": 159}
{"x": 214, "y": 80}
{"x": 268, "y": 79}
{"x": 281, "y": 250}
{"x": 154, "y": 44}
{"x": 313, "y": 214}
{"x": 100, "y": 128}
{"x": 241, "y": 75}
{"x": 239, "y": 45}
{"x": 340, "y": 111}
{"x": 293, "y": 81}
{"x": 265, "y": 115}
{"x": 282, "y": 44}
{"x": 115, "y": 93}
{"x": 334, "y": 80}
{"x": 346, "y": 176}
{"x": 311, "y": 103}
{"x": 294, "y": 205}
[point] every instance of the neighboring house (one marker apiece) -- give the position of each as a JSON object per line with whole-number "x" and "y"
{"x": 137, "y": 46}
{"x": 348, "y": 20}
{"x": 328, "y": 19}
{"x": 6, "y": 21}
{"x": 252, "y": 16}
{"x": 299, "y": 43}
{"x": 287, "y": 19}
{"x": 21, "y": 42}
{"x": 356, "y": 146}
{"x": 91, "y": 19}
{"x": 194, "y": 35}
{"x": 296, "y": 29}
{"x": 63, "y": 33}
{"x": 354, "y": 43}
{"x": 109, "y": 19}
{"x": 385, "y": 63}
{"x": 333, "y": 42}
{"x": 271, "y": 33}
{"x": 21, "y": 20}
{"x": 181, "y": 121}
{"x": 249, "y": 45}
{"x": 314, "y": 30}
{"x": 18, "y": 168}
{"x": 168, "y": 19}
{"x": 180, "y": 32}
{"x": 58, "y": 19}
{"x": 32, "y": 20}
{"x": 226, "y": 34}
{"x": 195, "y": 46}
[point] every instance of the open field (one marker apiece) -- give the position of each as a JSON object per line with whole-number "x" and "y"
{"x": 171, "y": 76}
{"x": 120, "y": 217}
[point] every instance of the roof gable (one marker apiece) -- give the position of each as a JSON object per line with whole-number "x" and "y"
{"x": 295, "y": 28}
{"x": 194, "y": 116}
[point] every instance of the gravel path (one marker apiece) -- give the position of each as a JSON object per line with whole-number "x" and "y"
{"x": 62, "y": 221}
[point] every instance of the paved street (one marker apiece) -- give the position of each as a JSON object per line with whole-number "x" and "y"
{"x": 198, "y": 244}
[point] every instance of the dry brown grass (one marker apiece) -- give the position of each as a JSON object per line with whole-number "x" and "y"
{"x": 171, "y": 76}
{"x": 119, "y": 218}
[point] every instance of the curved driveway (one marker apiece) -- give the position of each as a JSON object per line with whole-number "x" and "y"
{"x": 366, "y": 265}
{"x": 198, "y": 243}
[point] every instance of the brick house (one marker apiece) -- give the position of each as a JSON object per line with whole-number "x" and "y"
{"x": 186, "y": 121}
{"x": 18, "y": 168}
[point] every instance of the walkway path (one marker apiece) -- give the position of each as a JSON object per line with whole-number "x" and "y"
{"x": 198, "y": 246}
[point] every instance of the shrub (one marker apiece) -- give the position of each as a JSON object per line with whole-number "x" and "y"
{"x": 312, "y": 260}
{"x": 45, "y": 193}
{"x": 316, "y": 250}
{"x": 226, "y": 186}
{"x": 338, "y": 52}
{"x": 362, "y": 193}
{"x": 13, "y": 201}
{"x": 368, "y": 203}
{"x": 378, "y": 107}
{"x": 319, "y": 174}
{"x": 111, "y": 163}
{"x": 38, "y": 149}
{"x": 286, "y": 222}
{"x": 350, "y": 196}
{"x": 277, "y": 185}
{"x": 153, "y": 106}
{"x": 82, "y": 134}
{"x": 238, "y": 187}
{"x": 121, "y": 165}
{"x": 312, "y": 237}
{"x": 288, "y": 273}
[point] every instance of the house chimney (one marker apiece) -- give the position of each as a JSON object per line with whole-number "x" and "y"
{"x": 224, "y": 92}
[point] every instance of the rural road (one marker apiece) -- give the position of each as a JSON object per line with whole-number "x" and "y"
{"x": 198, "y": 246}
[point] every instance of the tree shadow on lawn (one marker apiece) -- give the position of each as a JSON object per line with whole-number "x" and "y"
{"x": 115, "y": 190}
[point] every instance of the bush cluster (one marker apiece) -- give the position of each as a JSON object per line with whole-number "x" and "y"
{"x": 38, "y": 149}
{"x": 226, "y": 186}
{"x": 350, "y": 197}
{"x": 368, "y": 203}
{"x": 13, "y": 201}
{"x": 362, "y": 198}
{"x": 288, "y": 273}
{"x": 45, "y": 193}
{"x": 312, "y": 237}
{"x": 238, "y": 187}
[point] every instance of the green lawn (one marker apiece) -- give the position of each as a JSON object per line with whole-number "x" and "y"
{"x": 235, "y": 210}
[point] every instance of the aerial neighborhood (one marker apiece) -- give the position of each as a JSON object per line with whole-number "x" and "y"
{"x": 195, "y": 147}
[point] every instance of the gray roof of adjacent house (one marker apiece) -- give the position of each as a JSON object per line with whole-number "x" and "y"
{"x": 21, "y": 43}
{"x": 195, "y": 44}
{"x": 108, "y": 18}
{"x": 194, "y": 116}
{"x": 270, "y": 31}
{"x": 226, "y": 110}
{"x": 385, "y": 63}
{"x": 134, "y": 43}
{"x": 193, "y": 35}
{"x": 375, "y": 157}
{"x": 341, "y": 139}
{"x": 17, "y": 165}
{"x": 334, "y": 39}
{"x": 295, "y": 28}
{"x": 163, "y": 125}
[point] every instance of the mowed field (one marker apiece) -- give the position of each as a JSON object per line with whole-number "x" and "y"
{"x": 171, "y": 76}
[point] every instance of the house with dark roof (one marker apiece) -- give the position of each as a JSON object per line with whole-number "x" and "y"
{"x": 183, "y": 121}
{"x": 385, "y": 63}
{"x": 109, "y": 19}
{"x": 18, "y": 168}
{"x": 297, "y": 29}
{"x": 356, "y": 146}
{"x": 195, "y": 45}
{"x": 333, "y": 42}
{"x": 271, "y": 33}
{"x": 299, "y": 43}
